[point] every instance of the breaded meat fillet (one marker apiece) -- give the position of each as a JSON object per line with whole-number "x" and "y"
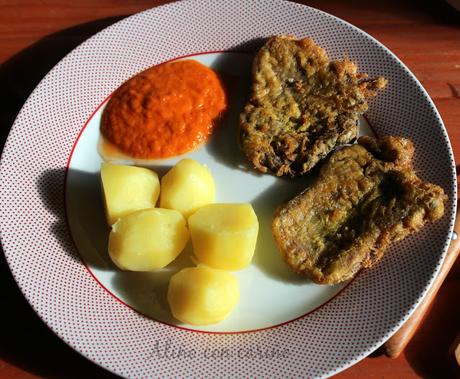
{"x": 367, "y": 196}
{"x": 302, "y": 106}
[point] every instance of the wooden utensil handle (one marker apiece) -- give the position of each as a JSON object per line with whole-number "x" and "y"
{"x": 396, "y": 344}
{"x": 454, "y": 351}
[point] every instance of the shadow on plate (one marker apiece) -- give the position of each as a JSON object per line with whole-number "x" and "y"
{"x": 89, "y": 219}
{"x": 251, "y": 45}
{"x": 86, "y": 214}
{"x": 51, "y": 187}
{"x": 146, "y": 292}
{"x": 224, "y": 144}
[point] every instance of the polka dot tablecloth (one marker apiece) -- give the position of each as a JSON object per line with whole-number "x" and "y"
{"x": 46, "y": 266}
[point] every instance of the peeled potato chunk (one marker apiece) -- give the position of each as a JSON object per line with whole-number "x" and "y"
{"x": 127, "y": 189}
{"x": 224, "y": 236}
{"x": 186, "y": 187}
{"x": 148, "y": 239}
{"x": 202, "y": 295}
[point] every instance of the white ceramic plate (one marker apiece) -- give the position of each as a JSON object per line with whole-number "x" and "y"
{"x": 284, "y": 325}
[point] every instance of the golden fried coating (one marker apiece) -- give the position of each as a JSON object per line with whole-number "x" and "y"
{"x": 302, "y": 106}
{"x": 366, "y": 196}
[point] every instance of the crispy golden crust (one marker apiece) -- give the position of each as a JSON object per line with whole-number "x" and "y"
{"x": 367, "y": 196}
{"x": 302, "y": 106}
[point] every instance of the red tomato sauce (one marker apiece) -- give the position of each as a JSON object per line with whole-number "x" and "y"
{"x": 164, "y": 111}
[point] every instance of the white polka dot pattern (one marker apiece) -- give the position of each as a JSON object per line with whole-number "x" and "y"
{"x": 53, "y": 279}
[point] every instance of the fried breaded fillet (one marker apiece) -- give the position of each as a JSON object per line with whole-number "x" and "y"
{"x": 302, "y": 106}
{"x": 367, "y": 196}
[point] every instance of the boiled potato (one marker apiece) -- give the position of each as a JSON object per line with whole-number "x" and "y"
{"x": 186, "y": 187}
{"x": 202, "y": 295}
{"x": 224, "y": 236}
{"x": 147, "y": 239}
{"x": 127, "y": 189}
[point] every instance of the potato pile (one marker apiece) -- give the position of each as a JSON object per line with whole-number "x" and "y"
{"x": 145, "y": 238}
